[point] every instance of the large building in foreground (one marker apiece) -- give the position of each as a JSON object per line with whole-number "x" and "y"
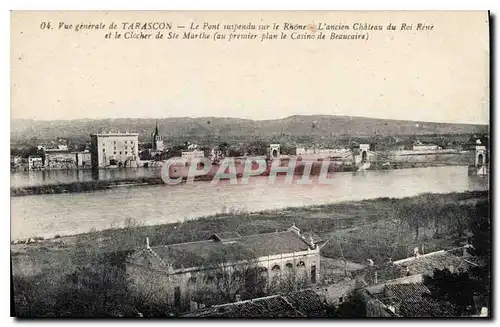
{"x": 178, "y": 272}
{"x": 114, "y": 150}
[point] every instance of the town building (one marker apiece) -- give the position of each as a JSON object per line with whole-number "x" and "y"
{"x": 216, "y": 154}
{"x": 419, "y": 146}
{"x": 15, "y": 160}
{"x": 35, "y": 163}
{"x": 83, "y": 159}
{"x": 114, "y": 150}
{"x": 303, "y": 151}
{"x": 191, "y": 155}
{"x": 422, "y": 264}
{"x": 405, "y": 297}
{"x": 396, "y": 289}
{"x": 59, "y": 159}
{"x": 178, "y": 272}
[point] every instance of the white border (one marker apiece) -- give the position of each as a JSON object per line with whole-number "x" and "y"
{"x": 492, "y": 5}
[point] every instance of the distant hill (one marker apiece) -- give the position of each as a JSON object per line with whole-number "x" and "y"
{"x": 318, "y": 125}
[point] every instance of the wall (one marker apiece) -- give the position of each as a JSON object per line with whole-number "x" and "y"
{"x": 160, "y": 285}
{"x": 60, "y": 160}
{"x": 120, "y": 148}
{"x": 337, "y": 293}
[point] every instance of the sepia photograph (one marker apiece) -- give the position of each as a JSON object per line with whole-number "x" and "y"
{"x": 250, "y": 164}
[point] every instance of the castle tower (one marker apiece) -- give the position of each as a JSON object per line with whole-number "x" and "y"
{"x": 274, "y": 151}
{"x": 364, "y": 148}
{"x": 480, "y": 155}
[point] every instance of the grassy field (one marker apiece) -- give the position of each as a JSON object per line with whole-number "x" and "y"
{"x": 375, "y": 229}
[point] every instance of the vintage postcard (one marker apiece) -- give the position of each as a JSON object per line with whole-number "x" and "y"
{"x": 246, "y": 164}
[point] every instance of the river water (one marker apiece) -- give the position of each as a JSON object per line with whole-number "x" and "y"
{"x": 46, "y": 177}
{"x": 63, "y": 214}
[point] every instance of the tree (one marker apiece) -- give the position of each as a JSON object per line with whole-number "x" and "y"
{"x": 234, "y": 272}
{"x": 257, "y": 148}
{"x": 468, "y": 290}
{"x": 353, "y": 307}
{"x": 293, "y": 277}
{"x": 479, "y": 225}
{"x": 455, "y": 288}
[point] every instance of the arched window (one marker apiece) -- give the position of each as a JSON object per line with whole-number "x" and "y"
{"x": 209, "y": 279}
{"x": 301, "y": 264}
{"x": 289, "y": 265}
{"x": 364, "y": 156}
{"x": 262, "y": 271}
{"x": 192, "y": 281}
{"x": 276, "y": 268}
{"x": 480, "y": 159}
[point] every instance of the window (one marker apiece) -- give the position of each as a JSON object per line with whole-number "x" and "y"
{"x": 209, "y": 280}
{"x": 313, "y": 274}
{"x": 177, "y": 297}
{"x": 301, "y": 264}
{"x": 120, "y": 152}
{"x": 114, "y": 152}
{"x": 276, "y": 268}
{"x": 341, "y": 299}
{"x": 103, "y": 150}
{"x": 126, "y": 152}
{"x": 125, "y": 147}
{"x": 289, "y": 265}
{"x": 125, "y": 142}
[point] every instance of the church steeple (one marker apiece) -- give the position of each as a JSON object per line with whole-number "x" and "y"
{"x": 156, "y": 139}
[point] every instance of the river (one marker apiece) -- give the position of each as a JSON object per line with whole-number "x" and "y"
{"x": 46, "y": 177}
{"x": 64, "y": 214}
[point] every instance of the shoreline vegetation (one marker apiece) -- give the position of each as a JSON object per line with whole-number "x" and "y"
{"x": 99, "y": 185}
{"x": 46, "y": 272}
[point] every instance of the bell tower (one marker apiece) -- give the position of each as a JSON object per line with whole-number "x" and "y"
{"x": 157, "y": 140}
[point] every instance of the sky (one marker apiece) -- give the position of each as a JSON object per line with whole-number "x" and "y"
{"x": 440, "y": 75}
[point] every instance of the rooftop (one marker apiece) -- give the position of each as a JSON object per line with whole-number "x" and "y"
{"x": 225, "y": 248}
{"x": 116, "y": 134}
{"x": 413, "y": 300}
{"x": 306, "y": 303}
{"x": 425, "y": 264}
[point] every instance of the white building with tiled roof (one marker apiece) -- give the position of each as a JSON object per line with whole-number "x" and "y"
{"x": 177, "y": 271}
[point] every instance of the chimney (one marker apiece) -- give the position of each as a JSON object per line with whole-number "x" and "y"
{"x": 376, "y": 278}
{"x": 147, "y": 243}
{"x": 294, "y": 229}
{"x": 311, "y": 241}
{"x": 392, "y": 308}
